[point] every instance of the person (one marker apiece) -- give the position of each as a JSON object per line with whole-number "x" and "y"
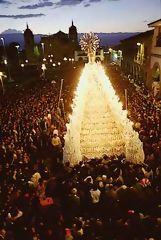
{"x": 95, "y": 195}
{"x": 2, "y": 234}
{"x": 55, "y": 131}
{"x": 68, "y": 234}
{"x": 56, "y": 147}
{"x": 156, "y": 88}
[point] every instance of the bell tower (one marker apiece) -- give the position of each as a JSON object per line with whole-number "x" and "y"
{"x": 73, "y": 35}
{"x": 29, "y": 44}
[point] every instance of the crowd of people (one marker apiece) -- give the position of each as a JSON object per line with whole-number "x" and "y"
{"x": 43, "y": 198}
{"x": 28, "y": 121}
{"x": 145, "y": 112}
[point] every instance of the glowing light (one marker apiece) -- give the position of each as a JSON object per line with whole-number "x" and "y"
{"x": 115, "y": 55}
{"x": 43, "y": 67}
{"x": 98, "y": 125}
{"x": 89, "y": 41}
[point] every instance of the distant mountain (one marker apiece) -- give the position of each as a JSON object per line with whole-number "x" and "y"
{"x": 9, "y": 31}
{"x": 18, "y": 37}
{"x": 107, "y": 39}
{"x": 112, "y": 39}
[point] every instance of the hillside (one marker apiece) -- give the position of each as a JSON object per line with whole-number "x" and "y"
{"x": 107, "y": 39}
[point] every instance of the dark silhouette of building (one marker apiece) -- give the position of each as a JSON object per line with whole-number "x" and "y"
{"x": 29, "y": 45}
{"x": 59, "y": 45}
{"x": 73, "y": 36}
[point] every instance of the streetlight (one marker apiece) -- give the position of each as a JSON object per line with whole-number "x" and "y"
{"x": 60, "y": 92}
{"x": 138, "y": 51}
{"x": 72, "y": 60}
{"x": 1, "y": 79}
{"x": 22, "y": 65}
{"x": 42, "y": 44}
{"x": 65, "y": 59}
{"x": 5, "y": 60}
{"x": 59, "y": 63}
{"x": 26, "y": 61}
{"x": 54, "y": 64}
{"x": 4, "y": 47}
{"x": 17, "y": 47}
{"x": 43, "y": 67}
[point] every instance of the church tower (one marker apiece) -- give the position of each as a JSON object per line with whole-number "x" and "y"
{"x": 29, "y": 44}
{"x": 73, "y": 35}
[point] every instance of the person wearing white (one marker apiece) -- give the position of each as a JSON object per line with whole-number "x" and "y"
{"x": 95, "y": 194}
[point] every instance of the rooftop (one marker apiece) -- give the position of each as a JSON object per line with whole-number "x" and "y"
{"x": 155, "y": 23}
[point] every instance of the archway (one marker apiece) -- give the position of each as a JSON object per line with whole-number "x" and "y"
{"x": 98, "y": 59}
{"x": 80, "y": 61}
{"x": 156, "y": 72}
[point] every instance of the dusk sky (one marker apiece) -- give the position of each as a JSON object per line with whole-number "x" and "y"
{"x": 50, "y": 16}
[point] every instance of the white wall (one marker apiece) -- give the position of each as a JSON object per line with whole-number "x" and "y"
{"x": 80, "y": 54}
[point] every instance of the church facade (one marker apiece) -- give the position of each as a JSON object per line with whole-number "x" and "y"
{"x": 60, "y": 45}
{"x": 53, "y": 47}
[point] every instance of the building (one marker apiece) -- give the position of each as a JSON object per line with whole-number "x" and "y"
{"x": 29, "y": 45}
{"x": 115, "y": 55}
{"x": 136, "y": 52}
{"x": 73, "y": 36}
{"x": 32, "y": 50}
{"x": 81, "y": 56}
{"x": 57, "y": 46}
{"x": 154, "y": 77}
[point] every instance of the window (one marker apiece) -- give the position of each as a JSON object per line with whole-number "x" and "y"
{"x": 158, "y": 40}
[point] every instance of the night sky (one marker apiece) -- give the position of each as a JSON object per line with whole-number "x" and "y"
{"x": 50, "y": 16}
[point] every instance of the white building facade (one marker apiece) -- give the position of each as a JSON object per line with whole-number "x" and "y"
{"x": 81, "y": 56}
{"x": 155, "y": 58}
